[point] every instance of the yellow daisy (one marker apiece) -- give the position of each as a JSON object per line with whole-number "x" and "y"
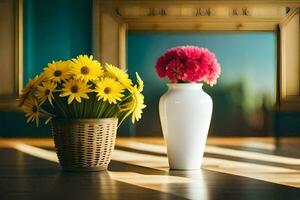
{"x": 109, "y": 89}
{"x": 85, "y": 68}
{"x": 31, "y": 108}
{"x": 135, "y": 106}
{"x": 57, "y": 71}
{"x": 75, "y": 89}
{"x": 118, "y": 74}
{"x": 45, "y": 91}
{"x": 30, "y": 88}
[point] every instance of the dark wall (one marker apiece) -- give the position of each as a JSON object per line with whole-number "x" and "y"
{"x": 53, "y": 30}
{"x": 286, "y": 123}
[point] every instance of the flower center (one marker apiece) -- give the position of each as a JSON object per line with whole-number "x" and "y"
{"x": 107, "y": 90}
{"x": 74, "y": 89}
{"x": 57, "y": 73}
{"x": 85, "y": 70}
{"x": 47, "y": 92}
{"x": 34, "y": 109}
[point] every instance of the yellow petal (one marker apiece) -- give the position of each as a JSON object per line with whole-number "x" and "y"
{"x": 70, "y": 99}
{"x": 78, "y": 99}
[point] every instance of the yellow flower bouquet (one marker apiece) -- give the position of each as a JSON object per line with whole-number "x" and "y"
{"x": 82, "y": 88}
{"x": 86, "y": 102}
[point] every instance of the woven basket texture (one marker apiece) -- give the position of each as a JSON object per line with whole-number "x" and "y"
{"x": 84, "y": 144}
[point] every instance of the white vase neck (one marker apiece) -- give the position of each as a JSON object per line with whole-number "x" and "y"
{"x": 185, "y": 86}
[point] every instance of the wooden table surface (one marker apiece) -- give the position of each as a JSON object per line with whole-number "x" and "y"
{"x": 233, "y": 168}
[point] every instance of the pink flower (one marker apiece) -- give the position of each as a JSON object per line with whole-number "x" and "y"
{"x": 175, "y": 70}
{"x": 163, "y": 61}
{"x": 161, "y": 67}
{"x": 192, "y": 52}
{"x": 189, "y": 64}
{"x": 193, "y": 71}
{"x": 214, "y": 73}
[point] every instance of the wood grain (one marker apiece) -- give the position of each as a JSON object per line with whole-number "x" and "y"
{"x": 233, "y": 168}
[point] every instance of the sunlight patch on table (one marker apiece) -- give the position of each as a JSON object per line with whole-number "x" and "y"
{"x": 274, "y": 174}
{"x": 219, "y": 151}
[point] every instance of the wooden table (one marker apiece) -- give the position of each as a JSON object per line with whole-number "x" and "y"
{"x": 233, "y": 168}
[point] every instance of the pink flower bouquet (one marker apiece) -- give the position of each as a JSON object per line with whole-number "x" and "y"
{"x": 186, "y": 64}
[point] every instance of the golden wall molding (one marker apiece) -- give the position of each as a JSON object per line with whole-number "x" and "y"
{"x": 290, "y": 60}
{"x": 213, "y": 11}
{"x": 8, "y": 100}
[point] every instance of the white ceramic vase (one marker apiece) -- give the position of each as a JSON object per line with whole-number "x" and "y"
{"x": 185, "y": 112}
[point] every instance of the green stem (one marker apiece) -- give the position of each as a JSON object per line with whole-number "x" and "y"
{"x": 97, "y": 106}
{"x": 61, "y": 109}
{"x": 108, "y": 111}
{"x": 64, "y": 102}
{"x": 83, "y": 108}
{"x": 125, "y": 99}
{"x": 102, "y": 109}
{"x": 80, "y": 108}
{"x": 94, "y": 104}
{"x": 124, "y": 117}
{"x": 75, "y": 109}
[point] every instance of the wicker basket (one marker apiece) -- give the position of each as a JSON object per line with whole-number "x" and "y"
{"x": 84, "y": 144}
